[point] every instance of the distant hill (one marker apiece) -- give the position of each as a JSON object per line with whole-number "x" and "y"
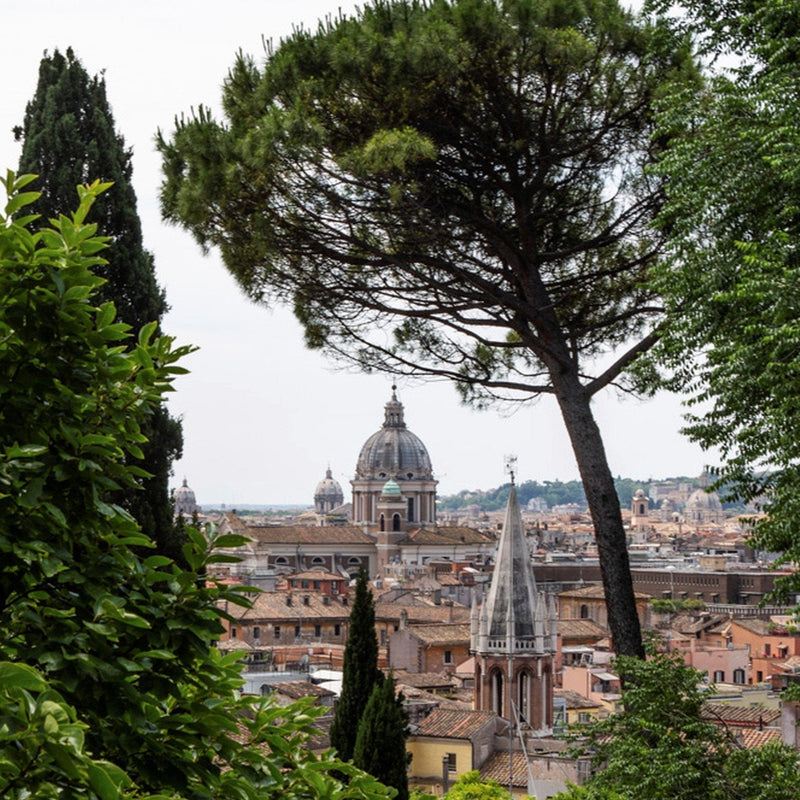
{"x": 554, "y": 493}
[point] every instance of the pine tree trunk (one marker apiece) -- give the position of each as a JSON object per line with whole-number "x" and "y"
{"x": 601, "y": 495}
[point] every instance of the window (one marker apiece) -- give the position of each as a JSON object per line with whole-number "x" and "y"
{"x": 317, "y": 560}
{"x": 583, "y": 716}
{"x": 719, "y": 676}
{"x": 584, "y": 612}
{"x": 318, "y": 630}
{"x": 767, "y": 649}
{"x": 353, "y": 560}
{"x": 296, "y": 630}
{"x": 451, "y": 762}
{"x": 738, "y": 675}
{"x": 383, "y": 637}
{"x": 306, "y": 601}
{"x": 282, "y": 561}
{"x": 448, "y": 656}
{"x": 337, "y": 629}
{"x": 234, "y": 633}
{"x": 256, "y": 632}
{"x": 276, "y": 632}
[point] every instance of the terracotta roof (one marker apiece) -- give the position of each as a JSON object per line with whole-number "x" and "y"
{"x": 447, "y": 723}
{"x": 316, "y": 575}
{"x": 303, "y": 534}
{"x": 752, "y": 738}
{"x": 740, "y": 716}
{"x": 579, "y": 629}
{"x": 298, "y": 689}
{"x": 441, "y": 634}
{"x": 596, "y": 592}
{"x": 423, "y": 680}
{"x": 421, "y": 614}
{"x": 414, "y": 694}
{"x": 274, "y": 606}
{"x": 496, "y": 768}
{"x": 448, "y": 535}
{"x": 758, "y": 625}
{"x": 575, "y": 700}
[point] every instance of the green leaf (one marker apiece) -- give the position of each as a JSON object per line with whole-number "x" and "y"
{"x": 21, "y": 676}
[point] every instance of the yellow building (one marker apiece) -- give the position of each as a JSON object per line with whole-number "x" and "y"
{"x": 448, "y": 743}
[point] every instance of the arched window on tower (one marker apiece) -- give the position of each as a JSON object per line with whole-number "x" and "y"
{"x": 584, "y": 611}
{"x": 396, "y": 522}
{"x": 524, "y": 695}
{"x": 383, "y": 522}
{"x": 497, "y": 692}
{"x": 410, "y": 514}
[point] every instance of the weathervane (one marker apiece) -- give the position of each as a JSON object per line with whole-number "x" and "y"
{"x": 511, "y": 466}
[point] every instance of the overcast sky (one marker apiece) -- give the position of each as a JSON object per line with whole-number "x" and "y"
{"x": 263, "y": 417}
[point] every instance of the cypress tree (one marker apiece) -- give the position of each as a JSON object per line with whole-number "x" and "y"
{"x": 380, "y": 746}
{"x": 361, "y": 673}
{"x": 68, "y": 138}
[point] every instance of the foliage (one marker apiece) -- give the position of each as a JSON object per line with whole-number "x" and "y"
{"x": 454, "y": 189}
{"x": 470, "y": 786}
{"x": 110, "y": 686}
{"x": 68, "y": 138}
{"x": 380, "y": 747}
{"x": 360, "y": 670}
{"x": 663, "y": 606}
{"x": 731, "y": 282}
{"x": 660, "y": 747}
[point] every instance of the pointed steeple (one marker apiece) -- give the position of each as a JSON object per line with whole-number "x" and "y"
{"x": 511, "y": 607}
{"x": 393, "y": 412}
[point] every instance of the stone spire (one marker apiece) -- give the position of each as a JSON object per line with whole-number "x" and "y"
{"x": 513, "y": 608}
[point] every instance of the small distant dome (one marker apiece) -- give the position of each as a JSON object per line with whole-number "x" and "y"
{"x": 391, "y": 488}
{"x": 185, "y": 502}
{"x": 328, "y": 494}
{"x": 639, "y": 494}
{"x": 703, "y": 506}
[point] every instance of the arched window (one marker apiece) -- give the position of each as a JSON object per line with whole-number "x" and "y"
{"x": 497, "y": 692}
{"x": 354, "y": 560}
{"x": 281, "y": 561}
{"x": 524, "y": 694}
{"x": 318, "y": 560}
{"x": 396, "y": 522}
{"x": 719, "y": 676}
{"x": 383, "y": 523}
{"x": 584, "y": 614}
{"x": 738, "y": 675}
{"x": 641, "y": 509}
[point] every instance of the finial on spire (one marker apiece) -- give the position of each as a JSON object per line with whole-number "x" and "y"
{"x": 511, "y": 466}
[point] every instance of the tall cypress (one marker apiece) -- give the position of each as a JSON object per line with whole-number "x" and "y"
{"x": 69, "y": 138}
{"x": 381, "y": 742}
{"x": 361, "y": 673}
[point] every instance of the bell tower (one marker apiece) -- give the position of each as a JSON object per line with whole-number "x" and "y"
{"x": 514, "y": 634}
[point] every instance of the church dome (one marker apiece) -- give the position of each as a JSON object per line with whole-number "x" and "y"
{"x": 328, "y": 494}
{"x": 701, "y": 499}
{"x": 184, "y": 499}
{"x": 394, "y": 451}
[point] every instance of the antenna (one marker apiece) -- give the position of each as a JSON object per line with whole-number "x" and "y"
{"x": 511, "y": 466}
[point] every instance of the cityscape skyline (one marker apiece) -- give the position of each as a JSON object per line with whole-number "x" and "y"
{"x": 264, "y": 417}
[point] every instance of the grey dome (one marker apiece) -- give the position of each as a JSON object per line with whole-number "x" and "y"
{"x": 184, "y": 500}
{"x": 701, "y": 499}
{"x": 394, "y": 451}
{"x": 328, "y": 493}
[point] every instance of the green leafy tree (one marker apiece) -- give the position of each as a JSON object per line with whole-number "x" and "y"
{"x": 68, "y": 138}
{"x": 360, "y": 670}
{"x": 661, "y": 747}
{"x": 380, "y": 747}
{"x": 470, "y": 786}
{"x": 731, "y": 284}
{"x": 110, "y": 684}
{"x": 454, "y": 189}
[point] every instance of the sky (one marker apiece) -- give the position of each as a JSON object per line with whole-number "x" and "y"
{"x": 263, "y": 417}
